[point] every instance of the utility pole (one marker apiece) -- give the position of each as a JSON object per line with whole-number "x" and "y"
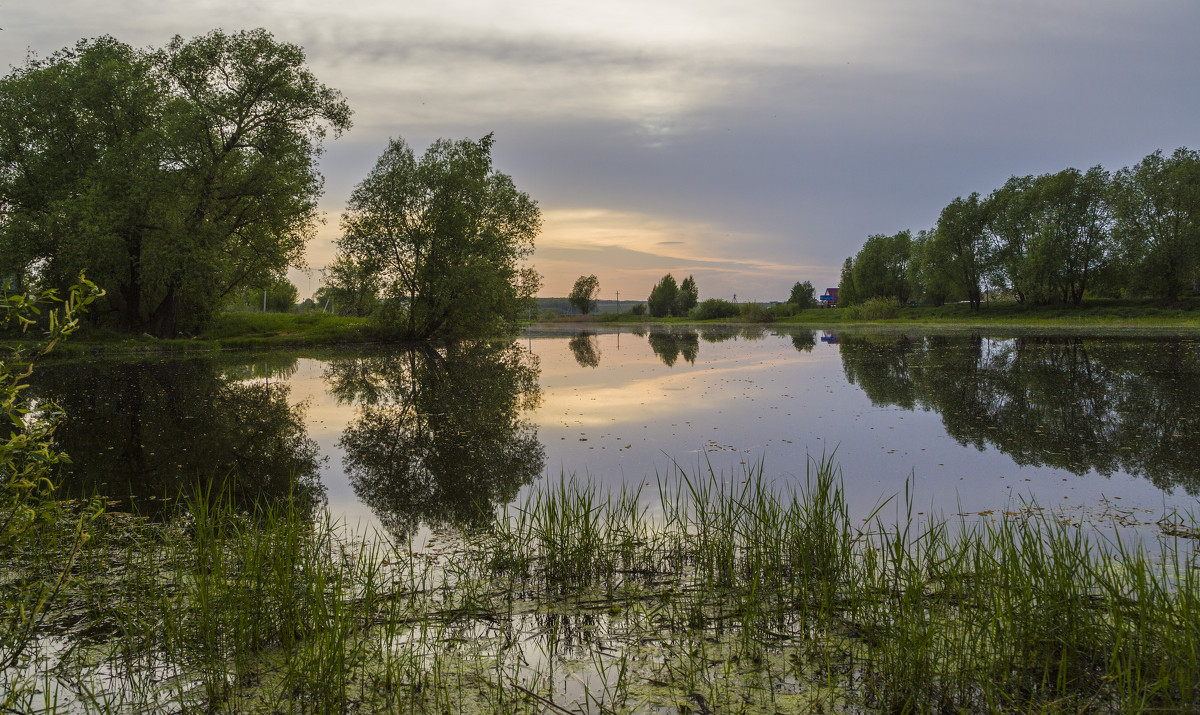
{"x": 618, "y": 302}
{"x": 264, "y": 300}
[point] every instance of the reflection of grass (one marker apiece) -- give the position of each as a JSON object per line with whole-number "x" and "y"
{"x": 724, "y": 596}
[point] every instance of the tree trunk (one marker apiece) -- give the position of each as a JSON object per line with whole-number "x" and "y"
{"x": 164, "y": 321}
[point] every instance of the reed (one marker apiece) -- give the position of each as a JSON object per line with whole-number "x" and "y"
{"x": 726, "y": 594}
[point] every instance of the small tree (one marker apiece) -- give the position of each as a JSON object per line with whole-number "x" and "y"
{"x": 663, "y": 297}
{"x": 444, "y": 235}
{"x": 687, "y": 297}
{"x": 803, "y": 295}
{"x": 583, "y": 295}
{"x": 28, "y": 459}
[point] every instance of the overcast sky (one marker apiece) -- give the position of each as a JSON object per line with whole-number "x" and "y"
{"x": 751, "y": 143}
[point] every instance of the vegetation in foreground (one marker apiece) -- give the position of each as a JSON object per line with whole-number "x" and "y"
{"x": 721, "y": 597}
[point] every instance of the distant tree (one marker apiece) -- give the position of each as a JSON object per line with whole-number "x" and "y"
{"x": 1157, "y": 210}
{"x": 175, "y": 176}
{"x": 663, "y": 297}
{"x": 686, "y": 298}
{"x": 803, "y": 295}
{"x": 583, "y": 295}
{"x": 444, "y": 236}
{"x": 348, "y": 287}
{"x": 281, "y": 295}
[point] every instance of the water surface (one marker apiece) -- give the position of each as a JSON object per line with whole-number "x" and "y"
{"x": 1088, "y": 423}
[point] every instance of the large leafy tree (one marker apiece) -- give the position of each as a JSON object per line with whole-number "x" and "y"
{"x": 1050, "y": 235}
{"x": 962, "y": 246}
{"x": 175, "y": 176}
{"x": 444, "y": 236}
{"x": 881, "y": 267}
{"x": 929, "y": 270}
{"x": 583, "y": 294}
{"x": 1157, "y": 209}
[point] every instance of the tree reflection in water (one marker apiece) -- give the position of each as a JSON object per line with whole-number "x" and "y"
{"x": 1073, "y": 403}
{"x": 584, "y": 347}
{"x": 155, "y": 429}
{"x": 669, "y": 343}
{"x": 440, "y": 437}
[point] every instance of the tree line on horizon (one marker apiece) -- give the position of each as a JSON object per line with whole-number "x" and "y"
{"x": 671, "y": 298}
{"x": 1052, "y": 238}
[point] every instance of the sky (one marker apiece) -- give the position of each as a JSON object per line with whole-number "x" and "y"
{"x": 752, "y": 144}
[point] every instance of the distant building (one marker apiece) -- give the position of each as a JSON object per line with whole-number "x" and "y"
{"x": 829, "y": 298}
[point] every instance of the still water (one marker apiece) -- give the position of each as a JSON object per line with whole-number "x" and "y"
{"x": 1096, "y": 425}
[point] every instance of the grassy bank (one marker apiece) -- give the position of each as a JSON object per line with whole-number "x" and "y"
{"x": 1095, "y": 313}
{"x": 231, "y": 331}
{"x": 726, "y": 597}
{"x": 242, "y": 331}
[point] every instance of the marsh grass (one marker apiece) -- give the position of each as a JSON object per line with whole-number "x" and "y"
{"x": 722, "y": 595}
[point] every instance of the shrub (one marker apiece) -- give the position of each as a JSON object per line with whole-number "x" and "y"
{"x": 874, "y": 309}
{"x": 783, "y": 310}
{"x": 754, "y": 313}
{"x": 639, "y": 309}
{"x": 714, "y": 308}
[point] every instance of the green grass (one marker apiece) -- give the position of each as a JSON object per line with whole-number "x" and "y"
{"x": 1099, "y": 313}
{"x": 722, "y": 595}
{"x": 230, "y": 331}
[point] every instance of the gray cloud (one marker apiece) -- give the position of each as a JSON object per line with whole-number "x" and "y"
{"x": 798, "y": 127}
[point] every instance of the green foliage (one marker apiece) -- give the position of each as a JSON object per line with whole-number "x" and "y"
{"x": 881, "y": 268}
{"x": 663, "y": 297}
{"x": 847, "y": 294}
{"x": 929, "y": 270}
{"x": 443, "y": 236}
{"x": 28, "y": 458}
{"x": 1050, "y": 234}
{"x": 348, "y": 287}
{"x": 638, "y": 309}
{"x": 803, "y": 295}
{"x": 874, "y": 309}
{"x": 1054, "y": 238}
{"x": 715, "y": 308}
{"x": 583, "y": 294}
{"x": 175, "y": 175}
{"x": 669, "y": 298}
{"x": 280, "y": 294}
{"x": 687, "y": 297}
{"x": 962, "y": 244}
{"x": 1157, "y": 208}
{"x": 754, "y": 313}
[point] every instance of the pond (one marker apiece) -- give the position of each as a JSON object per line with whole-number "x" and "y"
{"x": 1094, "y": 424}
